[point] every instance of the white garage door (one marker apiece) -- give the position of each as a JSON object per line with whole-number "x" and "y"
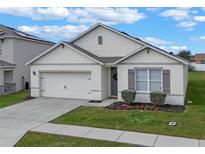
{"x": 66, "y": 85}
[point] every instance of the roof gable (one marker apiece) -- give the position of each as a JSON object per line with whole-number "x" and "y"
{"x": 149, "y": 56}
{"x": 113, "y": 44}
{"x": 145, "y": 44}
{"x": 6, "y": 64}
{"x": 74, "y": 49}
{"x": 171, "y": 56}
{"x": 106, "y": 27}
{"x": 8, "y": 32}
{"x": 64, "y": 55}
{"x": 112, "y": 60}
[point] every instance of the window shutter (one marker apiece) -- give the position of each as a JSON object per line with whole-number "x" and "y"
{"x": 131, "y": 79}
{"x": 166, "y": 81}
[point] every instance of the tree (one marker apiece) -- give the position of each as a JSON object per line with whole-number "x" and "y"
{"x": 186, "y": 54}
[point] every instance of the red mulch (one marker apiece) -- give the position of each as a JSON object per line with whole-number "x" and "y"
{"x": 145, "y": 106}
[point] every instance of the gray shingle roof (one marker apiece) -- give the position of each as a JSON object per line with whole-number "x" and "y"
{"x": 4, "y": 63}
{"x": 85, "y": 51}
{"x": 129, "y": 36}
{"x": 171, "y": 53}
{"x": 110, "y": 59}
{"x": 6, "y": 31}
{"x": 101, "y": 59}
{"x": 136, "y": 38}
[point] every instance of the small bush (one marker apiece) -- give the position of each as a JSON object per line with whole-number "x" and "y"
{"x": 158, "y": 97}
{"x": 128, "y": 95}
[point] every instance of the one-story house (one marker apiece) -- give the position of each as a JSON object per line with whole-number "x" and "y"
{"x": 101, "y": 62}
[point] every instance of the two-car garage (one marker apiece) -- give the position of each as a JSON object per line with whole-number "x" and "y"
{"x": 65, "y": 84}
{"x": 66, "y": 72}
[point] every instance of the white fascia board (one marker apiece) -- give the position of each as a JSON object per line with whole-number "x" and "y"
{"x": 106, "y": 27}
{"x": 127, "y": 36}
{"x": 129, "y": 55}
{"x": 155, "y": 49}
{"x": 83, "y": 53}
{"x": 85, "y": 32}
{"x": 169, "y": 55}
{"x": 27, "y": 39}
{"x": 55, "y": 46}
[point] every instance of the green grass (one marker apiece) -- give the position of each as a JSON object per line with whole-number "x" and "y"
{"x": 34, "y": 139}
{"x": 191, "y": 123}
{"x": 13, "y": 98}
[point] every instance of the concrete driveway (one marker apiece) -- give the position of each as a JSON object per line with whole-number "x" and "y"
{"x": 17, "y": 119}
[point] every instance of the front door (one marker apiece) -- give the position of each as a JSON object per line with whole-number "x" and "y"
{"x": 114, "y": 81}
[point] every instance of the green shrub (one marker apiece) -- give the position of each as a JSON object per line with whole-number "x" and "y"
{"x": 158, "y": 97}
{"x": 128, "y": 95}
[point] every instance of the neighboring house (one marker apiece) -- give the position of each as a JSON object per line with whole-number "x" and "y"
{"x": 101, "y": 62}
{"x": 17, "y": 48}
{"x": 199, "y": 64}
{"x": 200, "y": 58}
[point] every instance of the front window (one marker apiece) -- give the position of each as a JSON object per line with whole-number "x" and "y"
{"x": 141, "y": 80}
{"x": 148, "y": 79}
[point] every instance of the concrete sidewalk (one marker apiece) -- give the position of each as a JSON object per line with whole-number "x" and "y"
{"x": 143, "y": 139}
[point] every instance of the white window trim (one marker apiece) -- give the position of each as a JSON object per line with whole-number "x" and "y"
{"x": 148, "y": 80}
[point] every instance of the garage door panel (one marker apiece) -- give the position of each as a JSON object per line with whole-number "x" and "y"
{"x": 66, "y": 85}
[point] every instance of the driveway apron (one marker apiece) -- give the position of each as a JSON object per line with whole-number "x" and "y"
{"x": 17, "y": 119}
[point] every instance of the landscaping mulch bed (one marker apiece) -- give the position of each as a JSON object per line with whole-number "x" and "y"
{"x": 145, "y": 106}
{"x": 95, "y": 101}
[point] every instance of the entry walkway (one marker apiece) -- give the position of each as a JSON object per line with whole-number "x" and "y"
{"x": 143, "y": 139}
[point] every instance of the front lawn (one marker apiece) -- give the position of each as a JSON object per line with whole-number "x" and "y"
{"x": 34, "y": 139}
{"x": 191, "y": 123}
{"x": 13, "y": 98}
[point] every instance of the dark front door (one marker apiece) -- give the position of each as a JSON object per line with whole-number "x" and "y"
{"x": 114, "y": 81}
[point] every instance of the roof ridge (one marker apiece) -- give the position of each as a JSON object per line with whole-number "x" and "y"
{"x": 10, "y": 31}
{"x": 7, "y": 27}
{"x": 100, "y": 58}
{"x": 125, "y": 35}
{"x": 84, "y": 50}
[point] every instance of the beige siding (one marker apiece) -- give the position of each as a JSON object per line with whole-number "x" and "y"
{"x": 7, "y": 50}
{"x": 113, "y": 43}
{"x": 63, "y": 55}
{"x": 185, "y": 78}
{"x": 23, "y": 51}
{"x": 1, "y": 77}
{"x": 96, "y": 85}
{"x": 176, "y": 77}
{"x": 154, "y": 60}
{"x": 68, "y": 60}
